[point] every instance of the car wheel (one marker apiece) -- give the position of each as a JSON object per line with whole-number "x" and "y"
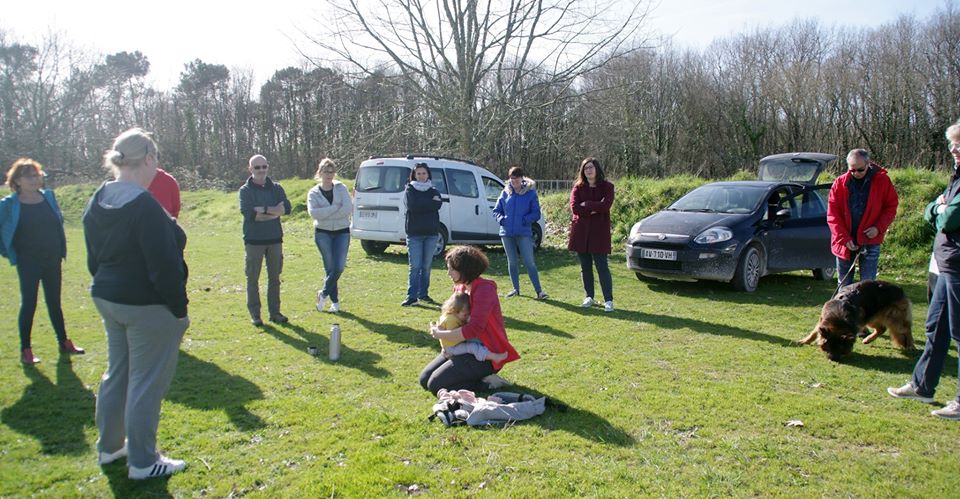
{"x": 824, "y": 274}
{"x": 373, "y": 247}
{"x": 441, "y": 243}
{"x": 537, "y": 236}
{"x": 748, "y": 271}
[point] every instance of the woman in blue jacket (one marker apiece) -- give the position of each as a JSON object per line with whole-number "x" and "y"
{"x": 32, "y": 238}
{"x": 423, "y": 203}
{"x": 517, "y": 210}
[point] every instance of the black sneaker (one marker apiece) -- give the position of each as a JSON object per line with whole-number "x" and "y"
{"x": 408, "y": 302}
{"x": 278, "y": 318}
{"x": 427, "y": 299}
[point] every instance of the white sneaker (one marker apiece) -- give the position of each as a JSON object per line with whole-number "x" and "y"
{"x": 908, "y": 391}
{"x": 109, "y": 457}
{"x": 334, "y": 307}
{"x": 163, "y": 467}
{"x": 608, "y": 306}
{"x": 494, "y": 381}
{"x": 950, "y": 411}
{"x": 321, "y": 299}
{"x": 587, "y": 302}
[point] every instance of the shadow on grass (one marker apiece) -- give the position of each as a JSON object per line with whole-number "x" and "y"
{"x": 204, "y": 385}
{"x": 394, "y": 332}
{"x": 349, "y": 357}
{"x": 560, "y": 416}
{"x": 669, "y": 322}
{"x": 513, "y": 323}
{"x": 903, "y": 363}
{"x": 54, "y": 414}
{"x": 121, "y": 486}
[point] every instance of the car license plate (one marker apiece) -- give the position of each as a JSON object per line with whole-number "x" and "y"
{"x": 368, "y": 214}
{"x": 658, "y": 254}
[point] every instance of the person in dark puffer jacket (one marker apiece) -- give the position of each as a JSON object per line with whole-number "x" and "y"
{"x": 423, "y": 203}
{"x": 135, "y": 255}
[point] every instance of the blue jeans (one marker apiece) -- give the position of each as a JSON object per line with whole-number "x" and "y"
{"x": 943, "y": 323}
{"x": 333, "y": 250}
{"x": 420, "y": 252}
{"x": 524, "y": 245}
{"x": 603, "y": 272}
{"x": 869, "y": 260}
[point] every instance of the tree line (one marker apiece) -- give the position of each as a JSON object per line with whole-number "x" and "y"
{"x": 646, "y": 109}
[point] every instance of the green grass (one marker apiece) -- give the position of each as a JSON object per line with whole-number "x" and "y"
{"x": 683, "y": 391}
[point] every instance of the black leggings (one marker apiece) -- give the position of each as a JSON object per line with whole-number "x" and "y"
{"x": 462, "y": 372}
{"x": 31, "y": 274}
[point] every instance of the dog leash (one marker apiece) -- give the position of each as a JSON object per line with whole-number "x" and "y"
{"x": 853, "y": 266}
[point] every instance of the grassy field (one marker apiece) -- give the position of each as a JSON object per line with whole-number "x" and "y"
{"x": 683, "y": 391}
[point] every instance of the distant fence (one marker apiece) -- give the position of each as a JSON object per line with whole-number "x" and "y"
{"x": 552, "y": 186}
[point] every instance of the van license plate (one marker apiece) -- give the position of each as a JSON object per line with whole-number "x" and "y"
{"x": 658, "y": 254}
{"x": 368, "y": 214}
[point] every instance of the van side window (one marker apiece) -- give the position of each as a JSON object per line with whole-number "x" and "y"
{"x": 462, "y": 183}
{"x": 382, "y": 178}
{"x": 439, "y": 182}
{"x": 492, "y": 188}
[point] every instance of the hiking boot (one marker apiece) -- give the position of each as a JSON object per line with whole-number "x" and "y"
{"x": 163, "y": 467}
{"x": 279, "y": 318}
{"x": 949, "y": 411}
{"x": 256, "y": 321}
{"x": 587, "y": 302}
{"x": 908, "y": 391}
{"x": 68, "y": 347}
{"x": 26, "y": 356}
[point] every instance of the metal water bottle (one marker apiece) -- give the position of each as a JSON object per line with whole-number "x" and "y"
{"x": 335, "y": 342}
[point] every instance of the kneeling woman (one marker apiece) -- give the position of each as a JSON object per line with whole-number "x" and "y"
{"x": 465, "y": 264}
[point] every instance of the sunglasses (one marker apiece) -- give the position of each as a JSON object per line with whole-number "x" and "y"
{"x": 858, "y": 170}
{"x": 260, "y": 167}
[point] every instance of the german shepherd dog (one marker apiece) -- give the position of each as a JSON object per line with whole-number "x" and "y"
{"x": 878, "y": 304}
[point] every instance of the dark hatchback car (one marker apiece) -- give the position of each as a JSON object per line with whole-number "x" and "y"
{"x": 740, "y": 231}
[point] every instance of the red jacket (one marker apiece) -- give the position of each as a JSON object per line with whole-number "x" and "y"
{"x": 590, "y": 228}
{"x": 881, "y": 209}
{"x": 486, "y": 319}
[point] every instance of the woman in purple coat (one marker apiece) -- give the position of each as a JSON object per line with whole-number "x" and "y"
{"x": 590, "y": 202}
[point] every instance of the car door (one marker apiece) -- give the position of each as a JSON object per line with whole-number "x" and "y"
{"x": 492, "y": 187}
{"x": 800, "y": 239}
{"x": 468, "y": 209}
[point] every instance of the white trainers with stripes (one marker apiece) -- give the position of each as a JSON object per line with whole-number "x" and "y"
{"x": 109, "y": 457}
{"x": 163, "y": 467}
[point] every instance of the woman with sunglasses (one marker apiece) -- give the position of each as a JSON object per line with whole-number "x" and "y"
{"x": 31, "y": 227}
{"x": 330, "y": 206}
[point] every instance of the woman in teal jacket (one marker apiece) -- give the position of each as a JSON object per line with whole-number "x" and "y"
{"x": 518, "y": 208}
{"x": 32, "y": 238}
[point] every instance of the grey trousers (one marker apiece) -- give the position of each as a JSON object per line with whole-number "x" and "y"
{"x": 255, "y": 254}
{"x": 142, "y": 342}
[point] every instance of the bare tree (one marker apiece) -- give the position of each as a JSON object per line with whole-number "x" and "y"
{"x": 476, "y": 64}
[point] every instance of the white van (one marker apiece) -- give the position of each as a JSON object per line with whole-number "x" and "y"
{"x": 469, "y": 193}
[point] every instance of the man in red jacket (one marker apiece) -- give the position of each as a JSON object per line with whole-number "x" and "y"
{"x": 862, "y": 205}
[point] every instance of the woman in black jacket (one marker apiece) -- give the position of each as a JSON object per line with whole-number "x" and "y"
{"x": 423, "y": 224}
{"x": 135, "y": 254}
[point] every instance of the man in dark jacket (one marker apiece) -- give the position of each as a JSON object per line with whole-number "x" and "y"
{"x": 262, "y": 203}
{"x": 862, "y": 205}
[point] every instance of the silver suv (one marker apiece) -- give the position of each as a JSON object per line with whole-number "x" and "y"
{"x": 469, "y": 193}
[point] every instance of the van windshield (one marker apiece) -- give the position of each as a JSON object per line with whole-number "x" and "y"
{"x": 382, "y": 178}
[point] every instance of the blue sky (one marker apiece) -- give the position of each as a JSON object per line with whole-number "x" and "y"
{"x": 261, "y": 37}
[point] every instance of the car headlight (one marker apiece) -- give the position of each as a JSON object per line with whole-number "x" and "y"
{"x": 714, "y": 235}
{"x": 635, "y": 230}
